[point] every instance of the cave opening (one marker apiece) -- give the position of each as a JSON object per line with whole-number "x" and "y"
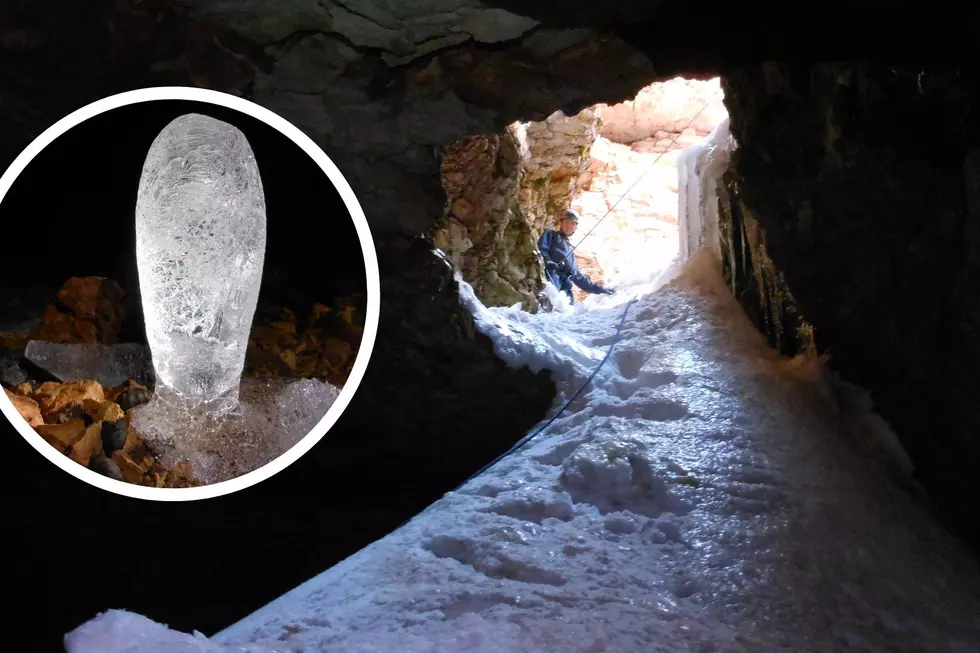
{"x": 453, "y": 404}
{"x": 614, "y": 165}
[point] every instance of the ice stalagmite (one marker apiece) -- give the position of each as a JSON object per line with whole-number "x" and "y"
{"x": 200, "y": 244}
{"x": 699, "y": 171}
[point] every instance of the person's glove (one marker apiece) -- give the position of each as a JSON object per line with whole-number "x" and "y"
{"x": 608, "y": 291}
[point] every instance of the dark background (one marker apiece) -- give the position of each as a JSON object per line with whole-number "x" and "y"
{"x": 73, "y": 550}
{"x": 71, "y": 212}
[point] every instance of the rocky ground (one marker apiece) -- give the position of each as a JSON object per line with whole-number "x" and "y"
{"x": 90, "y": 422}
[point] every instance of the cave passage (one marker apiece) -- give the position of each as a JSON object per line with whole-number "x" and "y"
{"x": 616, "y": 166}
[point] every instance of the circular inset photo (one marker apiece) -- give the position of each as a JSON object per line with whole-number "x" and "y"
{"x": 189, "y": 295}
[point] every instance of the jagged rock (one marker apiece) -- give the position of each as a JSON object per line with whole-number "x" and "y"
{"x": 130, "y": 469}
{"x": 88, "y": 310}
{"x": 876, "y": 236}
{"x": 486, "y": 235}
{"x": 89, "y": 444}
{"x": 102, "y": 411}
{"x": 53, "y": 397}
{"x": 110, "y": 365}
{"x": 664, "y": 108}
{"x": 27, "y": 408}
{"x": 62, "y": 436}
{"x": 555, "y": 156}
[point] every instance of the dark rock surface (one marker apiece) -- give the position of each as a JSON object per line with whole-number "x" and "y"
{"x": 864, "y": 179}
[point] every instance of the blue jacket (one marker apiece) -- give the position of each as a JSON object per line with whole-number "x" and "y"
{"x": 560, "y": 264}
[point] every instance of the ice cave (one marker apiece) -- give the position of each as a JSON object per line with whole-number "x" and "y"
{"x": 765, "y": 440}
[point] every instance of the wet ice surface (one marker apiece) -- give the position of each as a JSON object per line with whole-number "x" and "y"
{"x": 702, "y": 496}
{"x": 272, "y": 415}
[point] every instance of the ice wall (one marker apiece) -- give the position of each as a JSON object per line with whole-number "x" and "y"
{"x": 699, "y": 171}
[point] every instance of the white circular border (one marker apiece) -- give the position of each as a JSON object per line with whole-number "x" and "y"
{"x": 370, "y": 265}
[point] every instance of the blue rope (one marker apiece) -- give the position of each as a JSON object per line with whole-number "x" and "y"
{"x": 527, "y": 438}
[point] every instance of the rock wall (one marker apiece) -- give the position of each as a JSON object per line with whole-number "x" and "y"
{"x": 485, "y": 233}
{"x": 555, "y": 158}
{"x": 665, "y": 108}
{"x": 878, "y": 236}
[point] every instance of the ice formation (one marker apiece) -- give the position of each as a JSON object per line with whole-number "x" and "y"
{"x": 110, "y": 365}
{"x": 703, "y": 494}
{"x": 200, "y": 246}
{"x": 699, "y": 171}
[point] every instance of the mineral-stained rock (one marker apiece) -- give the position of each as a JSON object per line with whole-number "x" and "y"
{"x": 88, "y": 310}
{"x": 62, "y": 436}
{"x": 54, "y": 397}
{"x": 102, "y": 411}
{"x": 27, "y": 408}
{"x": 110, "y": 365}
{"x": 89, "y": 444}
{"x": 555, "y": 156}
{"x": 664, "y": 107}
{"x": 486, "y": 235}
{"x": 24, "y": 389}
{"x": 131, "y": 471}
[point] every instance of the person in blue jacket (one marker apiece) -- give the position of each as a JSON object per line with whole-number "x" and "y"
{"x": 559, "y": 260}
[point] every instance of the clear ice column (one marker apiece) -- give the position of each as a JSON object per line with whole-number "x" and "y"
{"x": 200, "y": 246}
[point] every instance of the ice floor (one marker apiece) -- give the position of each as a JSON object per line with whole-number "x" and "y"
{"x": 702, "y": 496}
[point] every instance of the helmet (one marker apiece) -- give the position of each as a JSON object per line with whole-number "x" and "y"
{"x": 570, "y": 214}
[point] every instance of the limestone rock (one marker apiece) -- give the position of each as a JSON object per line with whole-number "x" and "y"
{"x": 88, "y": 445}
{"x": 130, "y": 469}
{"x": 486, "y": 235}
{"x": 27, "y": 408}
{"x": 555, "y": 156}
{"x": 55, "y": 397}
{"x": 88, "y": 310}
{"x": 102, "y": 411}
{"x": 665, "y": 107}
{"x": 62, "y": 436}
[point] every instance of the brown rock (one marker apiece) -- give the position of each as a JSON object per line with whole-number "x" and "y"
{"x": 89, "y": 310}
{"x": 25, "y": 389}
{"x": 132, "y": 472}
{"x": 27, "y": 408}
{"x": 89, "y": 445}
{"x": 336, "y": 352}
{"x": 12, "y": 340}
{"x": 113, "y": 394}
{"x": 102, "y": 411}
{"x": 62, "y": 436}
{"x": 283, "y": 325}
{"x": 180, "y": 476}
{"x": 133, "y": 441}
{"x": 55, "y": 397}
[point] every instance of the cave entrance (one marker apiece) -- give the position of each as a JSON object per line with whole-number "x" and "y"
{"x": 503, "y": 191}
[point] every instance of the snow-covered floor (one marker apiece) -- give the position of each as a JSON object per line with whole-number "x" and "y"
{"x": 702, "y": 496}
